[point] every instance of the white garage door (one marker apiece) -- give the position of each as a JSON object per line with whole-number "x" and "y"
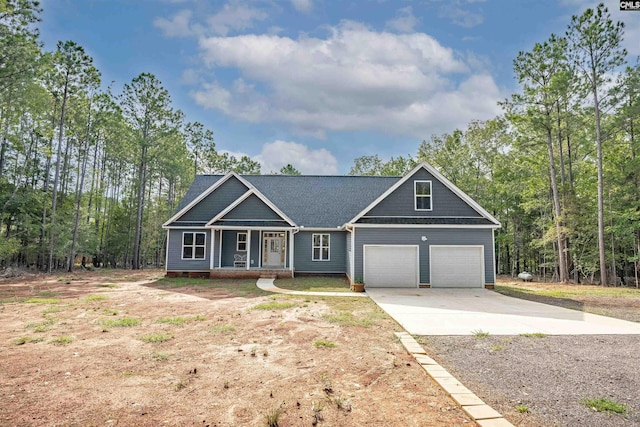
{"x": 457, "y": 266}
{"x": 391, "y": 266}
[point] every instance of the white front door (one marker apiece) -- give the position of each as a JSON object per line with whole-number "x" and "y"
{"x": 273, "y": 250}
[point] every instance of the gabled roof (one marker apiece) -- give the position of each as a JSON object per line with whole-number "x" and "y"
{"x": 306, "y": 200}
{"x": 314, "y": 201}
{"x": 451, "y": 186}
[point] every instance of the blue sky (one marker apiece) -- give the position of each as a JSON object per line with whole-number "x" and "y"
{"x": 317, "y": 83}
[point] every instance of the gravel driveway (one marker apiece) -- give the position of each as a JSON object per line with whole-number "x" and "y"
{"x": 548, "y": 375}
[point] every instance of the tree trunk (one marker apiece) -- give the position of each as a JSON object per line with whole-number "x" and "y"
{"x": 142, "y": 172}
{"x": 601, "y": 243}
{"x": 56, "y": 179}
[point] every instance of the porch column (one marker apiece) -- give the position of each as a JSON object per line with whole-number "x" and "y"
{"x": 220, "y": 251}
{"x": 248, "y": 249}
{"x": 213, "y": 245}
{"x": 290, "y": 250}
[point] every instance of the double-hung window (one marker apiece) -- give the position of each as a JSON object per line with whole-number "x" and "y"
{"x": 193, "y": 245}
{"x": 320, "y": 247}
{"x": 422, "y": 193}
{"x": 241, "y": 243}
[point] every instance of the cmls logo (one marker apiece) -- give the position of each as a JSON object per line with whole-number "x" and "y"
{"x": 630, "y": 5}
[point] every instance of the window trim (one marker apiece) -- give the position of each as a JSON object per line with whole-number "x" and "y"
{"x": 416, "y": 195}
{"x": 314, "y": 247}
{"x": 194, "y": 246}
{"x": 246, "y": 241}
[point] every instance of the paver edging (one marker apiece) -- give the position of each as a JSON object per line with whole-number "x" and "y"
{"x": 483, "y": 414}
{"x": 266, "y": 284}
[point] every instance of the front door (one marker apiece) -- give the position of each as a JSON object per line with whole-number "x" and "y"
{"x": 273, "y": 250}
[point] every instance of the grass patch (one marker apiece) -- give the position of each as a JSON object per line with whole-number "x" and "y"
{"x": 222, "y": 329}
{"x": 324, "y": 343}
{"x": 109, "y": 285}
{"x": 125, "y": 322}
{"x": 63, "y": 340}
{"x": 353, "y": 312}
{"x": 43, "y": 326}
{"x": 11, "y": 300}
{"x": 497, "y": 347}
{"x": 93, "y": 298}
{"x": 42, "y": 300}
{"x": 273, "y": 305}
{"x": 602, "y": 404}
{"x": 314, "y": 284}
{"x": 522, "y": 409}
{"x": 271, "y": 417}
{"x": 52, "y": 309}
{"x": 156, "y": 338}
{"x": 181, "y": 320}
{"x": 245, "y": 288}
{"x": 25, "y": 340}
{"x": 534, "y": 335}
{"x": 47, "y": 294}
{"x": 480, "y": 334}
{"x": 159, "y": 356}
{"x": 109, "y": 312}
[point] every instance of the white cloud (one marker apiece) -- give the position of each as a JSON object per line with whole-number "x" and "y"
{"x": 233, "y": 17}
{"x": 404, "y": 22}
{"x": 355, "y": 79}
{"x": 279, "y": 153}
{"x": 303, "y": 6}
{"x": 177, "y": 26}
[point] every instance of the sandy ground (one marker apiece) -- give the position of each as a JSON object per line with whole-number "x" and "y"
{"x": 223, "y": 362}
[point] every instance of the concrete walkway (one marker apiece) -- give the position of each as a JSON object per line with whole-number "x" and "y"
{"x": 267, "y": 285}
{"x": 463, "y": 311}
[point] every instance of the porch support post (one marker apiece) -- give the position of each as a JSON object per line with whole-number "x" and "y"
{"x": 248, "y": 248}
{"x": 290, "y": 250}
{"x": 220, "y": 251}
{"x": 213, "y": 245}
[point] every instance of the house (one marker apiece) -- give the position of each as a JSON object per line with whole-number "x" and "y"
{"x": 419, "y": 230}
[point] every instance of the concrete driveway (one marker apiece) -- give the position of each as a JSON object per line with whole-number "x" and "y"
{"x": 461, "y": 311}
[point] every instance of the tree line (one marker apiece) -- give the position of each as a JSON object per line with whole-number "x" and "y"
{"x": 560, "y": 168}
{"x": 88, "y": 175}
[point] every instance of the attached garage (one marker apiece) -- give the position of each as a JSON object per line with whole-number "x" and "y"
{"x": 457, "y": 266}
{"x": 391, "y": 266}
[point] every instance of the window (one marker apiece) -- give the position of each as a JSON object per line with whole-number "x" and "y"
{"x": 320, "y": 247}
{"x": 241, "y": 242}
{"x": 422, "y": 192}
{"x": 193, "y": 245}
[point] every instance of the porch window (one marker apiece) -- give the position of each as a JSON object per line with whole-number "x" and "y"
{"x": 241, "y": 242}
{"x": 320, "y": 247}
{"x": 193, "y": 245}
{"x": 422, "y": 193}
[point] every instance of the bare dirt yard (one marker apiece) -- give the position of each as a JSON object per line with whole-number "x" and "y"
{"x": 118, "y": 348}
{"x": 539, "y": 380}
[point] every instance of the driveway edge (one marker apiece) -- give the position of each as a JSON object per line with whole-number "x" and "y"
{"x": 483, "y": 414}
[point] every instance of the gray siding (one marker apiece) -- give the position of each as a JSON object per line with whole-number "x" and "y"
{"x": 303, "y": 253}
{"x": 229, "y": 243}
{"x": 174, "y": 258}
{"x": 255, "y": 249}
{"x": 412, "y": 236}
{"x": 444, "y": 202}
{"x": 252, "y": 208}
{"x": 215, "y": 202}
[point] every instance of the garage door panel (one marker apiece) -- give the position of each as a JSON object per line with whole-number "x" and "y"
{"x": 457, "y": 267}
{"x": 391, "y": 266}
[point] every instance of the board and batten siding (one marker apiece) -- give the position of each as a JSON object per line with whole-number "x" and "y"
{"x": 444, "y": 202}
{"x": 215, "y": 202}
{"x": 435, "y": 236}
{"x": 303, "y": 253}
{"x": 252, "y": 208}
{"x": 174, "y": 255}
